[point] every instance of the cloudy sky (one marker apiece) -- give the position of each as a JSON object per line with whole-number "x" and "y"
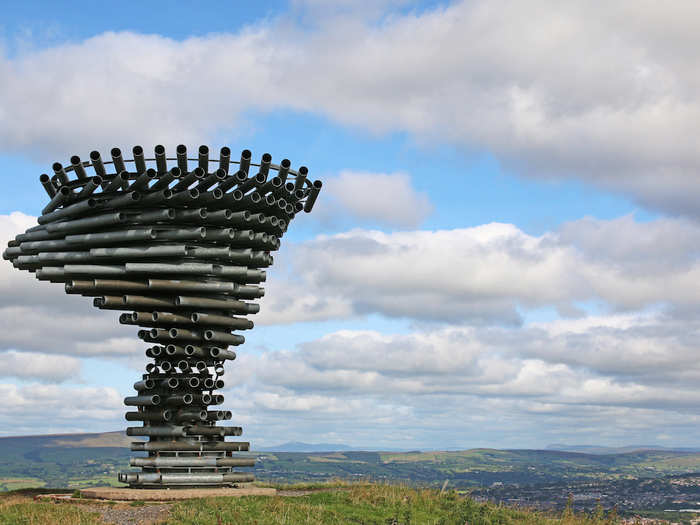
{"x": 505, "y": 250}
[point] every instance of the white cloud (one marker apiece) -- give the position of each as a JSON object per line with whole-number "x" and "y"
{"x": 36, "y": 408}
{"x": 602, "y": 379}
{"x": 555, "y": 90}
{"x": 379, "y": 198}
{"x": 26, "y": 365}
{"x": 489, "y": 273}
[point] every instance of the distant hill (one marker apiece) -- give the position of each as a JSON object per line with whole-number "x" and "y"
{"x": 79, "y": 460}
{"x": 595, "y": 449}
{"x": 96, "y": 440}
{"x": 296, "y": 446}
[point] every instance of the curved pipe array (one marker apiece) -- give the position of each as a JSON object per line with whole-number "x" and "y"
{"x": 181, "y": 246}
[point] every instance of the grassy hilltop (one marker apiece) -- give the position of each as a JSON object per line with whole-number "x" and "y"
{"x": 362, "y": 504}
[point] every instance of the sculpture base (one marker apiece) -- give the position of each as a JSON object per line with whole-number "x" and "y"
{"x": 123, "y": 494}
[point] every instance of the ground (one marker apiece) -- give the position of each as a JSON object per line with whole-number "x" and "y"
{"x": 320, "y": 504}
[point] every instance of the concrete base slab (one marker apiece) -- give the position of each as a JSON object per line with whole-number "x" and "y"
{"x": 124, "y": 494}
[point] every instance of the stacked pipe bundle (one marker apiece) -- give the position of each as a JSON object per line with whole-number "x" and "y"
{"x": 180, "y": 244}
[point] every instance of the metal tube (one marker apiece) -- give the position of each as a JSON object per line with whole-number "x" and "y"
{"x": 89, "y": 269}
{"x": 60, "y": 173}
{"x": 152, "y": 400}
{"x": 224, "y": 159}
{"x": 184, "y": 197}
{"x": 74, "y": 210}
{"x": 244, "y": 165}
{"x": 228, "y": 217}
{"x": 137, "y": 252}
{"x": 208, "y": 181}
{"x": 313, "y": 195}
{"x": 204, "y": 158}
{"x": 157, "y": 197}
{"x": 85, "y": 239}
{"x": 146, "y": 384}
{"x": 204, "y": 399}
{"x": 143, "y": 180}
{"x": 252, "y": 182}
{"x": 234, "y": 323}
{"x": 117, "y": 182}
{"x": 271, "y": 185}
{"x": 78, "y": 168}
{"x": 169, "y": 431}
{"x": 223, "y": 337}
{"x": 115, "y": 284}
{"x": 59, "y": 199}
{"x": 202, "y": 461}
{"x": 284, "y": 170}
{"x": 182, "y": 234}
{"x": 165, "y": 178}
{"x": 220, "y": 353}
{"x": 117, "y": 160}
{"x": 160, "y": 415}
{"x": 301, "y": 177}
{"x": 142, "y": 301}
{"x": 181, "y": 153}
{"x": 147, "y": 217}
{"x": 96, "y": 161}
{"x": 188, "y": 179}
{"x": 179, "y": 399}
{"x": 211, "y": 303}
{"x": 139, "y": 160}
{"x": 161, "y": 163}
{"x": 90, "y": 187}
{"x": 232, "y": 180}
{"x": 123, "y": 200}
{"x": 196, "y": 215}
{"x": 210, "y": 198}
{"x": 190, "y": 415}
{"x": 199, "y": 446}
{"x": 183, "y": 334}
{"x": 194, "y": 286}
{"x": 47, "y": 184}
{"x": 265, "y": 164}
{"x": 89, "y": 223}
{"x": 233, "y": 199}
{"x": 170, "y": 318}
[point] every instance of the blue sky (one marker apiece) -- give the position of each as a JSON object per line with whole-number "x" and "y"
{"x": 505, "y": 238}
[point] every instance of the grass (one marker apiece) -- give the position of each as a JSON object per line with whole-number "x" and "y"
{"x": 335, "y": 503}
{"x": 20, "y": 509}
{"x": 366, "y": 504}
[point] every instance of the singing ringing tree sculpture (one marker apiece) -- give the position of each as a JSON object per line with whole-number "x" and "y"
{"x": 180, "y": 246}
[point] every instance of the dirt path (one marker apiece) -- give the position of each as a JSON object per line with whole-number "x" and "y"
{"x": 128, "y": 514}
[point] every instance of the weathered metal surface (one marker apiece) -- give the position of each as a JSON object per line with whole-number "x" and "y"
{"x": 180, "y": 245}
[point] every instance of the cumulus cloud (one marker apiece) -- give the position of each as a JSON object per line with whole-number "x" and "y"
{"x": 39, "y": 408}
{"x": 552, "y": 90}
{"x": 601, "y": 378}
{"x": 380, "y": 198}
{"x": 26, "y": 365}
{"x": 490, "y": 273}
{"x": 627, "y": 372}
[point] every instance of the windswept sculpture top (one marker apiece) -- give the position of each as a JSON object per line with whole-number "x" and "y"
{"x": 182, "y": 250}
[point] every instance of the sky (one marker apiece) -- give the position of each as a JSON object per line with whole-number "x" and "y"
{"x": 504, "y": 251}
